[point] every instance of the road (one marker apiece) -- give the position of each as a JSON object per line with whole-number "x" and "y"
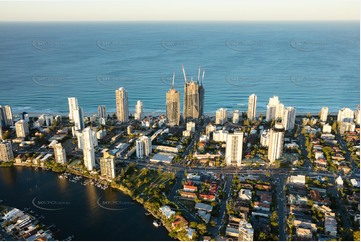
{"x": 281, "y": 205}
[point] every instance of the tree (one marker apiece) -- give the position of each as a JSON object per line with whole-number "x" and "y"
{"x": 262, "y": 236}
{"x": 202, "y": 228}
{"x": 356, "y": 235}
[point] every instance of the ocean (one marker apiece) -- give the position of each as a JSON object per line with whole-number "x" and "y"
{"x": 307, "y": 64}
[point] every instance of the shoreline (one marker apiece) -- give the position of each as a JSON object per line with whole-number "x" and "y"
{"x": 210, "y": 114}
{"x": 118, "y": 187}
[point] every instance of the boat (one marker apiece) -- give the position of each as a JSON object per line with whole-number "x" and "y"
{"x": 156, "y": 223}
{"x": 147, "y": 213}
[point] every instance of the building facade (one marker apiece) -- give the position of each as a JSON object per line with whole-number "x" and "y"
{"x": 107, "y": 166}
{"x": 73, "y": 104}
{"x": 121, "y": 99}
{"x": 138, "y": 114}
{"x": 59, "y": 154}
{"x": 234, "y": 146}
{"x": 143, "y": 147}
{"x": 323, "y": 114}
{"x": 22, "y": 128}
{"x": 88, "y": 148}
{"x": 221, "y": 116}
{"x": 173, "y": 107}
{"x": 6, "y": 151}
{"x": 289, "y": 118}
{"x": 274, "y": 109}
{"x": 276, "y": 142}
{"x": 252, "y": 106}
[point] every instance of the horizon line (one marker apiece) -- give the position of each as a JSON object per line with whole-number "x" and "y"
{"x": 164, "y": 21}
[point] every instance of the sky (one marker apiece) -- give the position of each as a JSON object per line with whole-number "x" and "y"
{"x": 180, "y": 10}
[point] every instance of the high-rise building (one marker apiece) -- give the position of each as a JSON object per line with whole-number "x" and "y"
{"x": 102, "y": 112}
{"x": 276, "y": 141}
{"x": 6, "y": 151}
{"x": 193, "y": 105}
{"x": 265, "y": 138}
{"x": 234, "y": 147}
{"x": 345, "y": 115}
{"x": 173, "y": 106}
{"x": 245, "y": 231}
{"x": 138, "y": 115}
{"x": 252, "y": 105}
{"x": 73, "y": 104}
{"x": 357, "y": 115}
{"x": 221, "y": 116}
{"x": 8, "y": 116}
{"x": 88, "y": 148}
{"x": 121, "y": 99}
{"x": 323, "y": 114}
{"x": 2, "y": 116}
{"x": 143, "y": 147}
{"x": 289, "y": 118}
{"x": 107, "y": 166}
{"x": 235, "y": 117}
{"x": 59, "y": 154}
{"x": 274, "y": 109}
{"x": 22, "y": 128}
{"x": 78, "y": 119}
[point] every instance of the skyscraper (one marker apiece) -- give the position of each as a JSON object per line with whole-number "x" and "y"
{"x": 73, "y": 104}
{"x": 59, "y": 154}
{"x": 143, "y": 146}
{"x": 193, "y": 105}
{"x": 234, "y": 147}
{"x": 22, "y": 128}
{"x": 102, "y": 112}
{"x": 173, "y": 106}
{"x": 221, "y": 116}
{"x": 88, "y": 148}
{"x": 289, "y": 117}
{"x": 276, "y": 138}
{"x": 235, "y": 116}
{"x": 138, "y": 115}
{"x": 107, "y": 166}
{"x": 252, "y": 105}
{"x": 345, "y": 115}
{"x": 78, "y": 119}
{"x": 2, "y": 116}
{"x": 121, "y": 99}
{"x": 6, "y": 151}
{"x": 274, "y": 109}
{"x": 9, "y": 115}
{"x": 323, "y": 114}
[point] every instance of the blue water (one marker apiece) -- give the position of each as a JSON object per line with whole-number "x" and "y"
{"x": 307, "y": 64}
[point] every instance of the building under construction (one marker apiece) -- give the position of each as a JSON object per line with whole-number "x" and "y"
{"x": 173, "y": 106}
{"x": 193, "y": 105}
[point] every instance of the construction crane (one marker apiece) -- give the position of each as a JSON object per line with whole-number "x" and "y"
{"x": 173, "y": 80}
{"x": 184, "y": 74}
